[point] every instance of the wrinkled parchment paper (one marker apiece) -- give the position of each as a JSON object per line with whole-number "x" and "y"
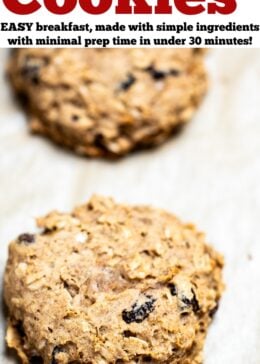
{"x": 209, "y": 174}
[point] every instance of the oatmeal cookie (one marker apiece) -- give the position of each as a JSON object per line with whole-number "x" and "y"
{"x": 111, "y": 283}
{"x": 108, "y": 102}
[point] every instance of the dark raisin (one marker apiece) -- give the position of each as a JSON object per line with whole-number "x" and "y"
{"x": 125, "y": 85}
{"x": 75, "y": 118}
{"x": 213, "y": 311}
{"x": 156, "y": 74}
{"x": 174, "y": 73}
{"x": 159, "y": 74}
{"x": 193, "y": 302}
{"x": 128, "y": 333}
{"x": 31, "y": 68}
{"x": 31, "y": 72}
{"x": 26, "y": 238}
{"x": 46, "y": 231}
{"x": 139, "y": 313}
{"x": 173, "y": 289}
{"x": 55, "y": 351}
{"x": 185, "y": 314}
{"x": 186, "y": 300}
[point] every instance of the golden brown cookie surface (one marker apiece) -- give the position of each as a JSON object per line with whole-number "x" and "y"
{"x": 111, "y": 283}
{"x": 108, "y": 102}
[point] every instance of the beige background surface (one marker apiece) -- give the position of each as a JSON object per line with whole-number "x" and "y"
{"x": 209, "y": 175}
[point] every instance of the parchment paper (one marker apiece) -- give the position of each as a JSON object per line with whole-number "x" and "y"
{"x": 209, "y": 175}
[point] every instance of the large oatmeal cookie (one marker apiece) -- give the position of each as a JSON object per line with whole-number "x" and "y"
{"x": 111, "y": 283}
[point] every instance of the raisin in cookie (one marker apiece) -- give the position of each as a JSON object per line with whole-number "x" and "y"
{"x": 108, "y": 102}
{"x": 111, "y": 283}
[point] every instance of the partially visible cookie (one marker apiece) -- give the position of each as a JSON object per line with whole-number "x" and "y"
{"x": 108, "y": 102}
{"x": 111, "y": 283}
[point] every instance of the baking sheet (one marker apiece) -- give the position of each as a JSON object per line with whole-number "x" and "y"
{"x": 209, "y": 175}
